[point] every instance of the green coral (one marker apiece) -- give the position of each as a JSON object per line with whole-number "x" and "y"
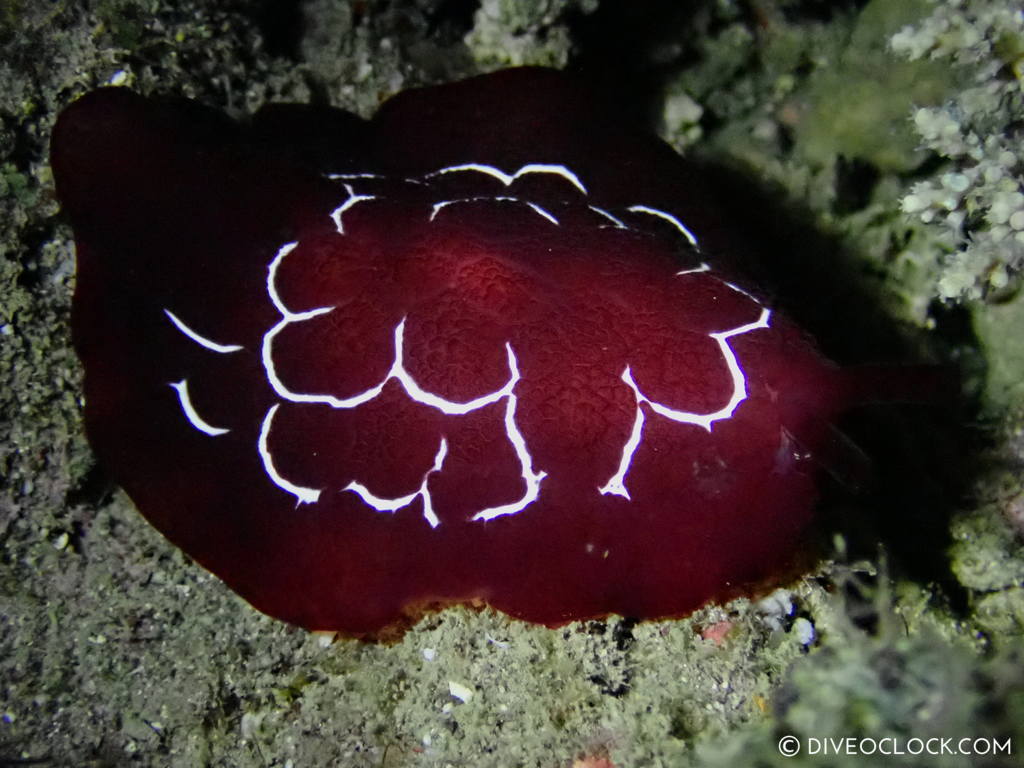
{"x": 974, "y": 205}
{"x": 511, "y": 33}
{"x": 794, "y": 106}
{"x": 906, "y": 678}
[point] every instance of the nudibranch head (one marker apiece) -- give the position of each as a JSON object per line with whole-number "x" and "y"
{"x": 471, "y": 350}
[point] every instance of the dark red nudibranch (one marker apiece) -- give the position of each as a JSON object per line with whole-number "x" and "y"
{"x": 474, "y": 350}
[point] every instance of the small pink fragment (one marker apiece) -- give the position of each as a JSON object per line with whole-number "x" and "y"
{"x": 717, "y": 632}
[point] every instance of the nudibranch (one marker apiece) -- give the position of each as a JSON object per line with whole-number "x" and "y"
{"x": 475, "y": 350}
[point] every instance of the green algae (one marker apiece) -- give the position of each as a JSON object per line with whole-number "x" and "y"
{"x": 858, "y": 107}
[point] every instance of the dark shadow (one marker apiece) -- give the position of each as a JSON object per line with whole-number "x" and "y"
{"x": 628, "y": 50}
{"x": 93, "y": 490}
{"x": 280, "y": 24}
{"x": 451, "y": 20}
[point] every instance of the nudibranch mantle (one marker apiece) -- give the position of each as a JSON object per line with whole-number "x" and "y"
{"x": 472, "y": 350}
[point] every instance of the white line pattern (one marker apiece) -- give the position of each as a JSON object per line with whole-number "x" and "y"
{"x": 197, "y": 421}
{"x": 198, "y": 339}
{"x": 532, "y": 478}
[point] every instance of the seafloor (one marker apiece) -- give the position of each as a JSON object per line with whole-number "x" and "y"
{"x": 877, "y": 144}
